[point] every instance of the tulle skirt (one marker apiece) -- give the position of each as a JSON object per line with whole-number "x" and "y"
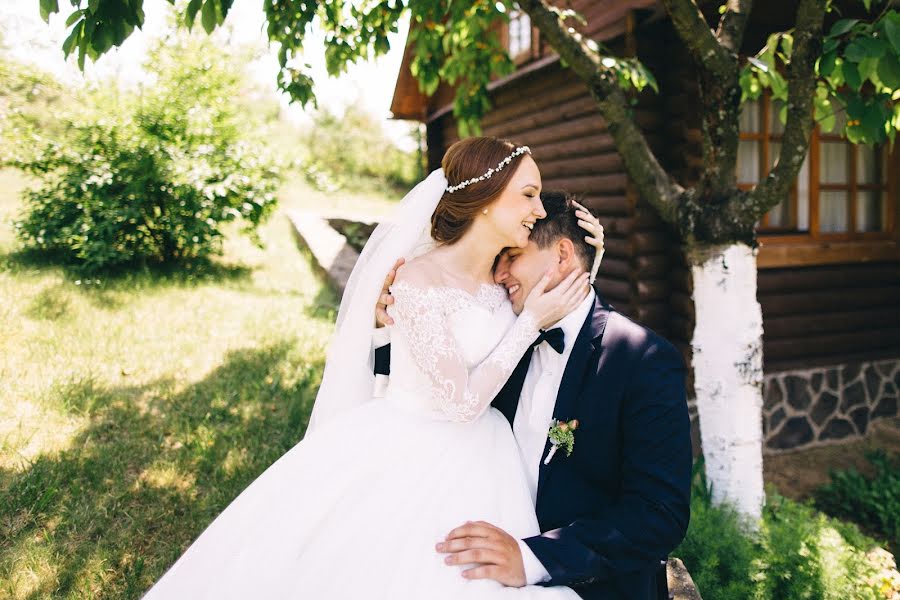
{"x": 354, "y": 512}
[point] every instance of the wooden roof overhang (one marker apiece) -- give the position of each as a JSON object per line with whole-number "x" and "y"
{"x": 607, "y": 20}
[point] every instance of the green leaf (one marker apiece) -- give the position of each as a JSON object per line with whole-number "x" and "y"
{"x": 73, "y": 17}
{"x": 855, "y": 52}
{"x": 826, "y": 64}
{"x": 787, "y": 44}
{"x": 93, "y": 5}
{"x": 851, "y": 75}
{"x": 48, "y": 7}
{"x": 889, "y": 71}
{"x": 779, "y": 86}
{"x": 867, "y": 67}
{"x": 72, "y": 41}
{"x": 874, "y": 47}
{"x": 842, "y": 27}
{"x": 190, "y": 14}
{"x": 855, "y": 133}
{"x": 892, "y": 30}
{"x": 208, "y": 16}
{"x": 824, "y": 113}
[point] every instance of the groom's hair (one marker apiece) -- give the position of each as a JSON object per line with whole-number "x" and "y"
{"x": 561, "y": 222}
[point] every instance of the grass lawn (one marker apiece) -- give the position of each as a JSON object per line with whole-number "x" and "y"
{"x": 133, "y": 409}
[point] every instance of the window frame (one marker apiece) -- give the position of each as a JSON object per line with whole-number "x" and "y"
{"x": 785, "y": 246}
{"x": 529, "y": 53}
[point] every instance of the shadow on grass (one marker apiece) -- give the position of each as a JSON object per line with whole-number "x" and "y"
{"x": 325, "y": 305}
{"x": 150, "y": 470}
{"x": 98, "y": 286}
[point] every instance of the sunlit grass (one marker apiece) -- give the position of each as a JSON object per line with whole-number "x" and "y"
{"x": 134, "y": 408}
{"x": 297, "y": 194}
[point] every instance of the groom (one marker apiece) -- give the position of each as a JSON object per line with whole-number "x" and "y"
{"x": 612, "y": 510}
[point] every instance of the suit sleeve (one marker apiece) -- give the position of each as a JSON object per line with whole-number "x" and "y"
{"x": 651, "y": 516}
{"x": 381, "y": 342}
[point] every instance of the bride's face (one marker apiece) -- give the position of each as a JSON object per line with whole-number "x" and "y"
{"x": 513, "y": 214}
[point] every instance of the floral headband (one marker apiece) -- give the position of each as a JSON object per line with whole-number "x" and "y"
{"x": 489, "y": 172}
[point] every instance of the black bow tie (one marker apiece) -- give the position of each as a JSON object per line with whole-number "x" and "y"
{"x": 555, "y": 337}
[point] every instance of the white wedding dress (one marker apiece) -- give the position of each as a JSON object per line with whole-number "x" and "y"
{"x": 355, "y": 509}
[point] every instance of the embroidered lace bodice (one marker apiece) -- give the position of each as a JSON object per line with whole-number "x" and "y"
{"x": 460, "y": 348}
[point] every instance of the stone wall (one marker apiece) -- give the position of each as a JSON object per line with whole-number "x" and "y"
{"x": 818, "y": 406}
{"x": 807, "y": 408}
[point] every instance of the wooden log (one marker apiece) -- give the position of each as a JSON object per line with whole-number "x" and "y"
{"x": 648, "y": 120}
{"x": 587, "y": 125}
{"x": 539, "y": 114}
{"x": 650, "y": 242}
{"x": 652, "y": 314}
{"x": 615, "y": 267}
{"x": 822, "y": 301}
{"x": 613, "y": 288}
{"x": 609, "y": 184}
{"x": 652, "y": 289}
{"x": 771, "y": 365}
{"x": 588, "y": 165}
{"x": 618, "y": 247}
{"x": 832, "y": 344}
{"x": 552, "y": 84}
{"x": 611, "y": 204}
{"x": 682, "y": 303}
{"x": 836, "y": 276}
{"x": 568, "y": 149}
{"x": 650, "y": 266}
{"x": 680, "y": 278}
{"x": 797, "y": 326}
{"x": 681, "y": 328}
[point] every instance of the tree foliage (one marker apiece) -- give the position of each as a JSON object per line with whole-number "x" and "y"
{"x": 851, "y": 66}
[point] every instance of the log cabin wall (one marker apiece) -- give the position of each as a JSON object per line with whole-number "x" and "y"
{"x": 551, "y": 111}
{"x": 831, "y": 333}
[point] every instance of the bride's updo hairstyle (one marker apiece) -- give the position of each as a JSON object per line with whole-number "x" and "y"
{"x": 465, "y": 159}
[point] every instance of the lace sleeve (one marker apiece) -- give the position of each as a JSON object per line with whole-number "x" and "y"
{"x": 419, "y": 314}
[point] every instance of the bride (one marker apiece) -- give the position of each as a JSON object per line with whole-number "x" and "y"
{"x": 355, "y": 509}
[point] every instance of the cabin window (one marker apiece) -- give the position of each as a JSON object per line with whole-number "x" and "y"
{"x": 842, "y": 191}
{"x": 519, "y": 35}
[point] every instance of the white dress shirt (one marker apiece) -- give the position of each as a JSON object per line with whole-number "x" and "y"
{"x": 535, "y": 411}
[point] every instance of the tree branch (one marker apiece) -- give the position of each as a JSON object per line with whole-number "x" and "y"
{"x": 733, "y": 24}
{"x": 696, "y": 34}
{"x": 652, "y": 181}
{"x": 801, "y": 76}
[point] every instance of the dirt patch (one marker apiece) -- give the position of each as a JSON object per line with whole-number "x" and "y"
{"x": 797, "y": 474}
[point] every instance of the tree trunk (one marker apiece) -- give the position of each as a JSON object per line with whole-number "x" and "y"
{"x": 727, "y": 362}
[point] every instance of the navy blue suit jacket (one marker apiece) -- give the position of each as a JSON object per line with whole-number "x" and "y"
{"x": 620, "y": 503}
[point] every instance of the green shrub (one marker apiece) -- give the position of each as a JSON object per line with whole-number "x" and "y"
{"x": 873, "y": 503}
{"x": 716, "y": 551}
{"x": 353, "y": 152}
{"x": 796, "y": 553}
{"x": 150, "y": 177}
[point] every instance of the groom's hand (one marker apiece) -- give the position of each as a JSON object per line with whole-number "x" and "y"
{"x": 382, "y": 319}
{"x": 480, "y": 542}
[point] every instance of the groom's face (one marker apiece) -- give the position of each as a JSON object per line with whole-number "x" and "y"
{"x": 519, "y": 269}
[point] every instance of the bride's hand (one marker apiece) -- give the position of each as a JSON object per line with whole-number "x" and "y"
{"x": 548, "y": 307}
{"x": 592, "y": 225}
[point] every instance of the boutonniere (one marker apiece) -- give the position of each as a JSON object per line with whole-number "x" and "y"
{"x": 562, "y": 433}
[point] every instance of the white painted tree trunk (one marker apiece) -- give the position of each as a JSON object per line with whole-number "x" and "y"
{"x": 728, "y": 376}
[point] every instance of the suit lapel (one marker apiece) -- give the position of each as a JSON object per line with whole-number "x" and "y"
{"x": 586, "y": 351}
